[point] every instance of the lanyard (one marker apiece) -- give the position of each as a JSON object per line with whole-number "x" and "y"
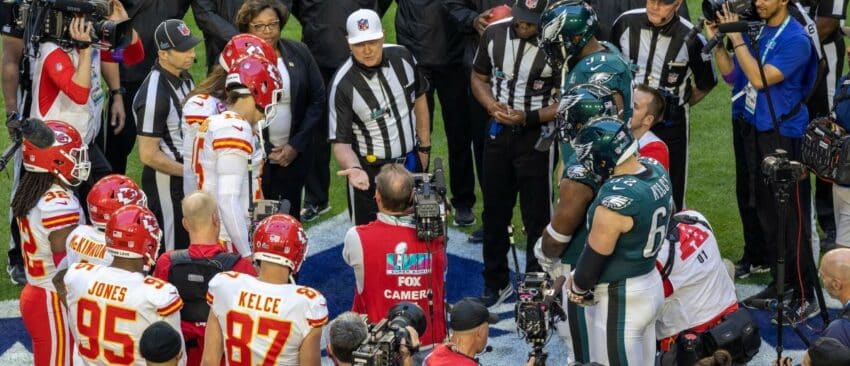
{"x": 772, "y": 42}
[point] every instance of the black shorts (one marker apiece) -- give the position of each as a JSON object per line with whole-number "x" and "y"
{"x": 8, "y": 20}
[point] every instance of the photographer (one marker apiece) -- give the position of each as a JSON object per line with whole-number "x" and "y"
{"x": 419, "y": 266}
{"x": 348, "y": 331}
{"x": 790, "y": 72}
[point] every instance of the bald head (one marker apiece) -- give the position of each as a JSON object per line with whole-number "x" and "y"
{"x": 394, "y": 184}
{"x": 835, "y": 273}
{"x": 200, "y": 216}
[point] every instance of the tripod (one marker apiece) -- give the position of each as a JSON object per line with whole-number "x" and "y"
{"x": 781, "y": 191}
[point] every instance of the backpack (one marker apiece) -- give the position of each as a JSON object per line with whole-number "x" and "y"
{"x": 192, "y": 276}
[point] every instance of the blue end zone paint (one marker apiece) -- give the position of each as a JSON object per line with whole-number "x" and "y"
{"x": 12, "y": 331}
{"x": 812, "y": 329}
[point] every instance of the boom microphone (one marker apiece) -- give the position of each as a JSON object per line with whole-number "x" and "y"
{"x": 37, "y": 133}
{"x": 439, "y": 176}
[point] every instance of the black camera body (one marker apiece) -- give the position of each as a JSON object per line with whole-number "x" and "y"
{"x": 537, "y": 309}
{"x": 429, "y": 203}
{"x": 779, "y": 170}
{"x": 744, "y": 8}
{"x": 382, "y": 347}
{"x": 49, "y": 20}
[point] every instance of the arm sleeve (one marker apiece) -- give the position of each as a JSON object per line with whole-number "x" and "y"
{"x": 60, "y": 71}
{"x": 233, "y": 170}
{"x": 131, "y": 55}
{"x": 212, "y": 24}
{"x": 481, "y": 62}
{"x": 340, "y": 115}
{"x": 703, "y": 69}
{"x": 461, "y": 14}
{"x": 352, "y": 253}
{"x": 315, "y": 102}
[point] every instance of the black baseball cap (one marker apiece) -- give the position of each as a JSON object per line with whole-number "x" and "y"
{"x": 174, "y": 34}
{"x": 160, "y": 342}
{"x": 828, "y": 351}
{"x": 469, "y": 313}
{"x": 529, "y": 10}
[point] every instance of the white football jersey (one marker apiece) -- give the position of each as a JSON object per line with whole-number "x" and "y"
{"x": 228, "y": 133}
{"x": 57, "y": 209}
{"x": 266, "y": 315}
{"x": 87, "y": 244}
{"x": 701, "y": 286}
{"x": 196, "y": 110}
{"x": 109, "y": 309}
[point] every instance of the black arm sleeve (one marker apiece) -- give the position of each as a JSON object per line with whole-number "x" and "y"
{"x": 588, "y": 268}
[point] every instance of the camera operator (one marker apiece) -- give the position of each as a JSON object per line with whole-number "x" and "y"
{"x": 470, "y": 322}
{"x": 348, "y": 331}
{"x": 419, "y": 267}
{"x": 790, "y": 71}
{"x": 68, "y": 84}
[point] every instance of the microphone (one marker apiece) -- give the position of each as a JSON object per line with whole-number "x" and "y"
{"x": 734, "y": 27}
{"x": 439, "y": 176}
{"x": 34, "y": 130}
{"x": 488, "y": 349}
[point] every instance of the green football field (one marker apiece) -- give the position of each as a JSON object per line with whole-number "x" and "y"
{"x": 711, "y": 186}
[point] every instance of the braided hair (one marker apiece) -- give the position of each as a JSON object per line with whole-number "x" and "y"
{"x": 30, "y": 189}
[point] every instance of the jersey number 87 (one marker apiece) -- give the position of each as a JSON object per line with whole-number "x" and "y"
{"x": 241, "y": 329}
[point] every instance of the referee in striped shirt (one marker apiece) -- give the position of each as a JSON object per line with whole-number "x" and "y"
{"x": 514, "y": 83}
{"x": 654, "y": 38}
{"x": 377, "y": 112}
{"x": 158, "y": 112}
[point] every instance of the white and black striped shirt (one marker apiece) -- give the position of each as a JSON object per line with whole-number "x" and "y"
{"x": 371, "y": 108}
{"x": 665, "y": 59}
{"x": 519, "y": 74}
{"x": 158, "y": 112}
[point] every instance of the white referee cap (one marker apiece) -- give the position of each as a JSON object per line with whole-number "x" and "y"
{"x": 363, "y": 25}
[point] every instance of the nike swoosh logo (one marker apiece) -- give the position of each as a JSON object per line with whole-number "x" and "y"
{"x": 62, "y": 203}
{"x": 593, "y": 68}
{"x": 198, "y": 103}
{"x": 240, "y": 128}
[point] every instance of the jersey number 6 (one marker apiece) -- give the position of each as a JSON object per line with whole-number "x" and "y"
{"x": 656, "y": 232}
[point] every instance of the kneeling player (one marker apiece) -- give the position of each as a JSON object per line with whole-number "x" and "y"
{"x": 110, "y": 307}
{"x": 615, "y": 277}
{"x": 267, "y": 319}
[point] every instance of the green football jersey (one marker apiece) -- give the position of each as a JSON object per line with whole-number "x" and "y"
{"x": 578, "y": 173}
{"x": 645, "y": 197}
{"x": 609, "y": 68}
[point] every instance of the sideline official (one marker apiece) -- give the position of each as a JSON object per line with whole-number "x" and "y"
{"x": 655, "y": 39}
{"x": 158, "y": 111}
{"x": 418, "y": 268}
{"x": 378, "y": 113}
{"x": 513, "y": 81}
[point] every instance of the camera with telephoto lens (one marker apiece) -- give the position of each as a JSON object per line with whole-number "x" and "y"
{"x": 537, "y": 309}
{"x": 744, "y": 8}
{"x": 49, "y": 20}
{"x": 778, "y": 169}
{"x": 382, "y": 346}
{"x": 429, "y": 203}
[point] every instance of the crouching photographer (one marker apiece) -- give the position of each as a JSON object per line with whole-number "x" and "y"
{"x": 390, "y": 261}
{"x": 76, "y": 44}
{"x": 392, "y": 341}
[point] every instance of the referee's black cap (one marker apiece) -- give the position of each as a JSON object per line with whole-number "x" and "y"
{"x": 174, "y": 34}
{"x": 529, "y": 11}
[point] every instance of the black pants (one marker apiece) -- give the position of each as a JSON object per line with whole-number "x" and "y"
{"x": 281, "y": 182}
{"x": 451, "y": 85}
{"x": 118, "y": 147}
{"x": 674, "y": 132}
{"x": 511, "y": 166}
{"x": 318, "y": 178}
{"x": 165, "y": 197}
{"x": 795, "y": 223}
{"x": 745, "y": 184}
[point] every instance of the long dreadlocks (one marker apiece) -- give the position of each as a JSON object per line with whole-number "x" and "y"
{"x": 30, "y": 189}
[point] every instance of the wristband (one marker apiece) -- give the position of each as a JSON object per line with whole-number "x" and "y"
{"x": 424, "y": 149}
{"x": 561, "y": 238}
{"x": 358, "y": 167}
{"x": 739, "y": 45}
{"x": 532, "y": 119}
{"x": 120, "y": 91}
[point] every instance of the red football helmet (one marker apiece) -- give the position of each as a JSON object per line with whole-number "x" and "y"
{"x": 242, "y": 45}
{"x": 280, "y": 239}
{"x": 133, "y": 232}
{"x": 67, "y": 159}
{"x": 111, "y": 193}
{"x": 259, "y": 77}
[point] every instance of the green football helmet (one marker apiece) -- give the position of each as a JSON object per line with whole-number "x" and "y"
{"x": 565, "y": 28}
{"x": 602, "y": 144}
{"x": 580, "y": 104}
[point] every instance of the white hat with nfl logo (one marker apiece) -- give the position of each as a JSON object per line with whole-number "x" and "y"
{"x": 364, "y": 25}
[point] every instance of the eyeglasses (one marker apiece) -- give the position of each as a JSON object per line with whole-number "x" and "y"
{"x": 266, "y": 27}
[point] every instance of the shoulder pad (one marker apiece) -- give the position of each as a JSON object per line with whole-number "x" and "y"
{"x": 57, "y": 200}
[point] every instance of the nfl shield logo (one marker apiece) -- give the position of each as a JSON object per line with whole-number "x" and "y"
{"x": 363, "y": 24}
{"x": 673, "y": 78}
{"x": 184, "y": 30}
{"x": 531, "y": 4}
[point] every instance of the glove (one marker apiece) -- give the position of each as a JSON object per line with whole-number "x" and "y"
{"x": 581, "y": 298}
{"x": 552, "y": 266}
